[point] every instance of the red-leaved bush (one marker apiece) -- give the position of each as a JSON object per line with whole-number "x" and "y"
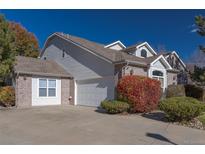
{"x": 142, "y": 93}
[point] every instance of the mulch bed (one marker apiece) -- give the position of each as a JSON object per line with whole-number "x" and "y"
{"x": 194, "y": 123}
{"x": 160, "y": 116}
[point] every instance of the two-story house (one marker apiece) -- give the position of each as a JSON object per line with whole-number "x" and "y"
{"x": 73, "y": 70}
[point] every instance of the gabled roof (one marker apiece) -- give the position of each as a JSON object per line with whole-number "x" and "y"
{"x": 35, "y": 66}
{"x": 114, "y": 43}
{"x": 110, "y": 55}
{"x": 138, "y": 45}
{"x": 175, "y": 53}
{"x": 161, "y": 57}
{"x": 97, "y": 49}
{"x": 131, "y": 47}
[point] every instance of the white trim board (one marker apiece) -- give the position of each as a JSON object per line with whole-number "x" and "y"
{"x": 174, "y": 52}
{"x": 116, "y": 42}
{"x": 161, "y": 57}
{"x": 146, "y": 44}
{"x": 41, "y": 101}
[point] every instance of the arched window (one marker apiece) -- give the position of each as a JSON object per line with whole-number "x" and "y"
{"x": 157, "y": 73}
{"x": 143, "y": 53}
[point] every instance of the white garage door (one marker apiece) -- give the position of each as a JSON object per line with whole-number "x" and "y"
{"x": 92, "y": 92}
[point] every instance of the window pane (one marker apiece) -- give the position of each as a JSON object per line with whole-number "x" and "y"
{"x": 52, "y": 83}
{"x": 144, "y": 53}
{"x": 42, "y": 92}
{"x": 51, "y": 92}
{"x": 157, "y": 73}
{"x": 42, "y": 83}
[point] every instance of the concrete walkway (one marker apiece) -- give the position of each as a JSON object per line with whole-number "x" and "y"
{"x": 83, "y": 125}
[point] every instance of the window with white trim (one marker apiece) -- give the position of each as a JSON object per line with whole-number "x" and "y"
{"x": 47, "y": 87}
{"x": 144, "y": 53}
{"x": 158, "y": 75}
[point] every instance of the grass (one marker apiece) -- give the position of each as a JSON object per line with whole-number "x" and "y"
{"x": 202, "y": 118}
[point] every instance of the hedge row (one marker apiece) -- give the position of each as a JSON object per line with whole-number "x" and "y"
{"x": 181, "y": 108}
{"x": 114, "y": 107}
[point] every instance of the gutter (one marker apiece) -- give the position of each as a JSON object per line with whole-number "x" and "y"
{"x": 127, "y": 62}
{"x": 42, "y": 74}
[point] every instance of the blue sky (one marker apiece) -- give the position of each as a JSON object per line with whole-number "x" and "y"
{"x": 171, "y": 29}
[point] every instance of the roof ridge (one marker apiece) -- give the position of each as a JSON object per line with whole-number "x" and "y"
{"x": 108, "y": 54}
{"x": 68, "y": 36}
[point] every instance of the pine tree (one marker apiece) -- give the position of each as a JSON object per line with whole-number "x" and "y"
{"x": 200, "y": 23}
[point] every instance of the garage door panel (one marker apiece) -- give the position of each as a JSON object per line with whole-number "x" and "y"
{"x": 92, "y": 92}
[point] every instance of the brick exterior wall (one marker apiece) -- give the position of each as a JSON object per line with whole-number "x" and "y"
{"x": 23, "y": 91}
{"x": 67, "y": 90}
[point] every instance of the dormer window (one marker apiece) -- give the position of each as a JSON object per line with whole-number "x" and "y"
{"x": 144, "y": 53}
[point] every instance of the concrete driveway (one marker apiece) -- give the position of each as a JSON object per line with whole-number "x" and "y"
{"x": 82, "y": 125}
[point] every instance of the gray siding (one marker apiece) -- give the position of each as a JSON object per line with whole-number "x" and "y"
{"x": 79, "y": 63}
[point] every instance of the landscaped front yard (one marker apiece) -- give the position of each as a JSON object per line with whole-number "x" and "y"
{"x": 137, "y": 94}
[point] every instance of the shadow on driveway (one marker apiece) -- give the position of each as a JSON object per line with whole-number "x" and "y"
{"x": 160, "y": 137}
{"x": 101, "y": 110}
{"x": 156, "y": 115}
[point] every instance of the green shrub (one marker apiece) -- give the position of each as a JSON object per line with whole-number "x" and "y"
{"x": 181, "y": 108}
{"x": 175, "y": 91}
{"x": 114, "y": 107}
{"x": 195, "y": 92}
{"x": 7, "y": 96}
{"x": 202, "y": 118}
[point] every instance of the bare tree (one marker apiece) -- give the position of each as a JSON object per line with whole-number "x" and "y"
{"x": 197, "y": 58}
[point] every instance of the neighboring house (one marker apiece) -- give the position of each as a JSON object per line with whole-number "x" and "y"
{"x": 177, "y": 64}
{"x": 73, "y": 70}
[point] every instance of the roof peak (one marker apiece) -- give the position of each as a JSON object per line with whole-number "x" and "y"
{"x": 116, "y": 42}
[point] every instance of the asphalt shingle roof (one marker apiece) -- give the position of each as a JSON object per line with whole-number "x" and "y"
{"x": 110, "y": 54}
{"x": 35, "y": 66}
